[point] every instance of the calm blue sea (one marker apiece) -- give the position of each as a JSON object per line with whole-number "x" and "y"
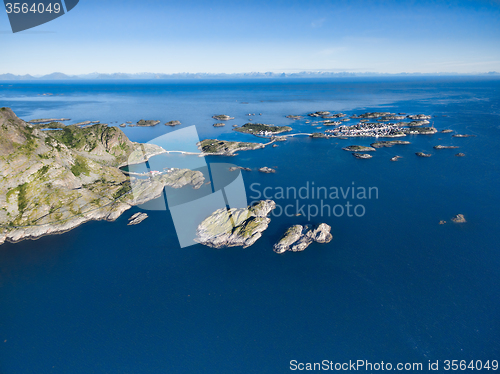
{"x": 392, "y": 285}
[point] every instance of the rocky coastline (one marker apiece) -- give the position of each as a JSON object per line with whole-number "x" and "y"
{"x": 54, "y": 181}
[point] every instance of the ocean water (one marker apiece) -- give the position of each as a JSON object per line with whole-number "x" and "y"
{"x": 392, "y": 285}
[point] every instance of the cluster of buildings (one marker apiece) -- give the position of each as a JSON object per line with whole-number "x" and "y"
{"x": 367, "y": 129}
{"x": 265, "y": 133}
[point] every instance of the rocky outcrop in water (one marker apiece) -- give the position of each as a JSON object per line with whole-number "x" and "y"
{"x": 362, "y": 155}
{"x": 173, "y": 123}
{"x": 319, "y": 114}
{"x": 265, "y": 169}
{"x": 147, "y": 123}
{"x": 235, "y": 227}
{"x": 298, "y": 237}
{"x": 419, "y": 116}
{"x": 445, "y": 147}
{"x": 137, "y": 218}
{"x": 459, "y": 218}
{"x": 422, "y": 154}
{"x": 222, "y": 117}
{"x": 388, "y": 143}
{"x": 358, "y": 148}
{"x": 234, "y": 168}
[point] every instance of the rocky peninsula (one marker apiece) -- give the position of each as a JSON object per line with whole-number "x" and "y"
{"x": 52, "y": 181}
{"x": 235, "y": 227}
{"x": 48, "y": 120}
{"x": 298, "y": 237}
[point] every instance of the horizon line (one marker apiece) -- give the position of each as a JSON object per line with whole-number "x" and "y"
{"x": 298, "y": 74}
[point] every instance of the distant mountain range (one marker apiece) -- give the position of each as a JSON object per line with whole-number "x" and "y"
{"x": 304, "y": 74}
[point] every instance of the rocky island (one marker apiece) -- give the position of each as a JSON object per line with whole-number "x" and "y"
{"x": 320, "y": 113}
{"x": 388, "y": 143}
{"x": 226, "y": 148}
{"x": 234, "y": 168}
{"x": 358, "y": 148}
{"x": 318, "y": 135}
{"x": 372, "y": 115}
{"x": 173, "y": 123}
{"x": 445, "y": 147}
{"x": 267, "y": 170}
{"x": 417, "y": 123}
{"x": 52, "y": 181}
{"x": 235, "y": 227}
{"x": 219, "y": 124}
{"x": 262, "y": 129}
{"x": 362, "y": 155}
{"x": 422, "y": 154}
{"x": 419, "y": 130}
{"x": 137, "y": 218}
{"x": 147, "y": 123}
{"x": 222, "y": 117}
{"x": 298, "y": 237}
{"x": 459, "y": 218}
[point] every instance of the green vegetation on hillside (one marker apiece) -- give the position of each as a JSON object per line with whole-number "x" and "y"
{"x": 256, "y": 128}
{"x": 80, "y": 167}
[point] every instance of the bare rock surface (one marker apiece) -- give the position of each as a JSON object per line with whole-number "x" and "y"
{"x": 298, "y": 237}
{"x": 235, "y": 227}
{"x": 137, "y": 218}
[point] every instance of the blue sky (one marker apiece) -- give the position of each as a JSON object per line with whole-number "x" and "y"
{"x": 127, "y": 36}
